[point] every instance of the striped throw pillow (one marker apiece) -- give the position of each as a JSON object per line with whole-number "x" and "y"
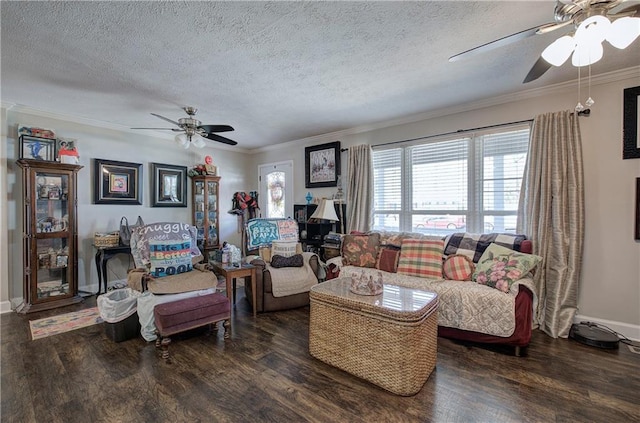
{"x": 422, "y": 258}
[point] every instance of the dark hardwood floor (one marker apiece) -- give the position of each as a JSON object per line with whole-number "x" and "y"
{"x": 264, "y": 373}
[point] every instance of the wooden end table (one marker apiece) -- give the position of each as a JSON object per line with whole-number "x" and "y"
{"x": 230, "y": 274}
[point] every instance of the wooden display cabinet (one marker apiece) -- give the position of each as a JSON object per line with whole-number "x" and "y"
{"x": 50, "y": 234}
{"x": 204, "y": 193}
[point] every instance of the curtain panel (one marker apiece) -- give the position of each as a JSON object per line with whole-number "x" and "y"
{"x": 551, "y": 213}
{"x": 360, "y": 188}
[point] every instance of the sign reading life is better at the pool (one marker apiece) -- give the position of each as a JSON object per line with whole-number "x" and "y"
{"x": 169, "y": 248}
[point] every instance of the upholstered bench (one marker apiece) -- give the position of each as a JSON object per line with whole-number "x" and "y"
{"x": 190, "y": 313}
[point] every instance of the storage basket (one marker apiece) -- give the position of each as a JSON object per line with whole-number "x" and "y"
{"x": 111, "y": 239}
{"x": 393, "y": 349}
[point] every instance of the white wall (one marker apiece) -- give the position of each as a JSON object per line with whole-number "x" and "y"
{"x": 610, "y": 285}
{"x": 98, "y": 142}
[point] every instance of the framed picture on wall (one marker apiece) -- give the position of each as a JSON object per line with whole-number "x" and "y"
{"x": 169, "y": 185}
{"x": 322, "y": 165}
{"x": 631, "y": 130}
{"x": 117, "y": 182}
{"x": 637, "y": 237}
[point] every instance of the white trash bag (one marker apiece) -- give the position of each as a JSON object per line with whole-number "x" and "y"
{"x": 117, "y": 305}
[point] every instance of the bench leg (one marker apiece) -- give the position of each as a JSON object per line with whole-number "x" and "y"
{"x": 227, "y": 328}
{"x": 165, "y": 349}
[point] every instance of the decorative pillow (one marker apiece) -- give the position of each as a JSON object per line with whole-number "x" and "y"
{"x": 422, "y": 258}
{"x": 169, "y": 257}
{"x": 388, "y": 259}
{"x": 458, "y": 267}
{"x": 499, "y": 267}
{"x": 292, "y": 261}
{"x": 360, "y": 250}
{"x": 161, "y": 232}
{"x": 283, "y": 248}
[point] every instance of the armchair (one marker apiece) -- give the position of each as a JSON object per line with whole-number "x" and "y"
{"x": 280, "y": 286}
{"x": 167, "y": 260}
{"x": 265, "y": 298}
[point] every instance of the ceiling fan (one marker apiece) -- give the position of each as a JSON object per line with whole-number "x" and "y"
{"x": 192, "y": 130}
{"x": 592, "y": 22}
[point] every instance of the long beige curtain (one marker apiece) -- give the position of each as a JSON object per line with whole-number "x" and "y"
{"x": 551, "y": 213}
{"x": 359, "y": 188}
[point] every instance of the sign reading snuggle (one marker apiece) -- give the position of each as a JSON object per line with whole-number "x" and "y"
{"x": 169, "y": 249}
{"x": 262, "y": 232}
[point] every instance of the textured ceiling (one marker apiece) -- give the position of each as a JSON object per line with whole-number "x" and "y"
{"x": 275, "y": 71}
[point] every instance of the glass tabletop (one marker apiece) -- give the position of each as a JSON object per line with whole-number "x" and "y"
{"x": 393, "y": 297}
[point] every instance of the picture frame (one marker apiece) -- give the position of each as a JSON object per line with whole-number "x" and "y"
{"x": 322, "y": 165}
{"x": 637, "y": 231}
{"x": 631, "y": 128}
{"x": 169, "y": 185}
{"x": 117, "y": 182}
{"x": 36, "y": 148}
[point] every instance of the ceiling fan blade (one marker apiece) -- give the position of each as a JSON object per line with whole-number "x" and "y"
{"x": 496, "y": 43}
{"x": 216, "y": 128}
{"x": 538, "y": 69}
{"x": 218, "y": 138}
{"x": 161, "y": 129}
{"x": 164, "y": 118}
{"x": 627, "y": 11}
{"x": 544, "y": 29}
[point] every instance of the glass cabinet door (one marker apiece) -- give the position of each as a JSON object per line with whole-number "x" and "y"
{"x": 198, "y": 209}
{"x": 212, "y": 213}
{"x": 52, "y": 208}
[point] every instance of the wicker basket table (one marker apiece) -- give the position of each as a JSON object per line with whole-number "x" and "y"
{"x": 388, "y": 339}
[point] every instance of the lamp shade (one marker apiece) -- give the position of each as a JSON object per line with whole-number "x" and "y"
{"x": 326, "y": 211}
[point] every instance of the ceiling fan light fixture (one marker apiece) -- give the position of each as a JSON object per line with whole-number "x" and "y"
{"x": 587, "y": 54}
{"x": 559, "y": 51}
{"x": 593, "y": 30}
{"x": 182, "y": 140}
{"x": 198, "y": 141}
{"x": 623, "y": 32}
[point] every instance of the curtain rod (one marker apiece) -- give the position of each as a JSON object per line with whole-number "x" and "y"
{"x": 585, "y": 112}
{"x": 459, "y": 131}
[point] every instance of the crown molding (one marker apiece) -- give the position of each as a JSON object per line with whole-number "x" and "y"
{"x": 605, "y": 78}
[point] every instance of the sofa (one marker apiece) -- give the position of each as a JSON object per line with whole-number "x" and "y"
{"x": 476, "y": 304}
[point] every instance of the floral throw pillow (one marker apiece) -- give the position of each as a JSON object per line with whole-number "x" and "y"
{"x": 360, "y": 250}
{"x": 499, "y": 267}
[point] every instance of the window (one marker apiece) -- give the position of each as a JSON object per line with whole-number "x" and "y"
{"x": 464, "y": 184}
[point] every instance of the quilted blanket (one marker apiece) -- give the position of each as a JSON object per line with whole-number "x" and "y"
{"x": 463, "y": 305}
{"x": 292, "y": 280}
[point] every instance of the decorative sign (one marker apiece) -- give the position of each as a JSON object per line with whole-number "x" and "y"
{"x": 262, "y": 232}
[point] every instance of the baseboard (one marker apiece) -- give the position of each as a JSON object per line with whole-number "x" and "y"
{"x": 5, "y": 307}
{"x": 630, "y": 331}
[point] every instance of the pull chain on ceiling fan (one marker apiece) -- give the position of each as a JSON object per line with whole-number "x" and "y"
{"x": 192, "y": 130}
{"x": 594, "y": 21}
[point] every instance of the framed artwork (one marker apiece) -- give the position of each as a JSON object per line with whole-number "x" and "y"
{"x": 637, "y": 237}
{"x": 322, "y": 165}
{"x": 169, "y": 185}
{"x": 36, "y": 148}
{"x": 631, "y": 113}
{"x": 117, "y": 182}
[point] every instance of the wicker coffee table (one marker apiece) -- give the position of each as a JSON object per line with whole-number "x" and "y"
{"x": 388, "y": 339}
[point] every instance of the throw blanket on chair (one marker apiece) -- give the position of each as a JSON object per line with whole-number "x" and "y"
{"x": 292, "y": 280}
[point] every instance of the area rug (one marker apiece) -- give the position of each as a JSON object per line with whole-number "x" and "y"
{"x": 55, "y": 325}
